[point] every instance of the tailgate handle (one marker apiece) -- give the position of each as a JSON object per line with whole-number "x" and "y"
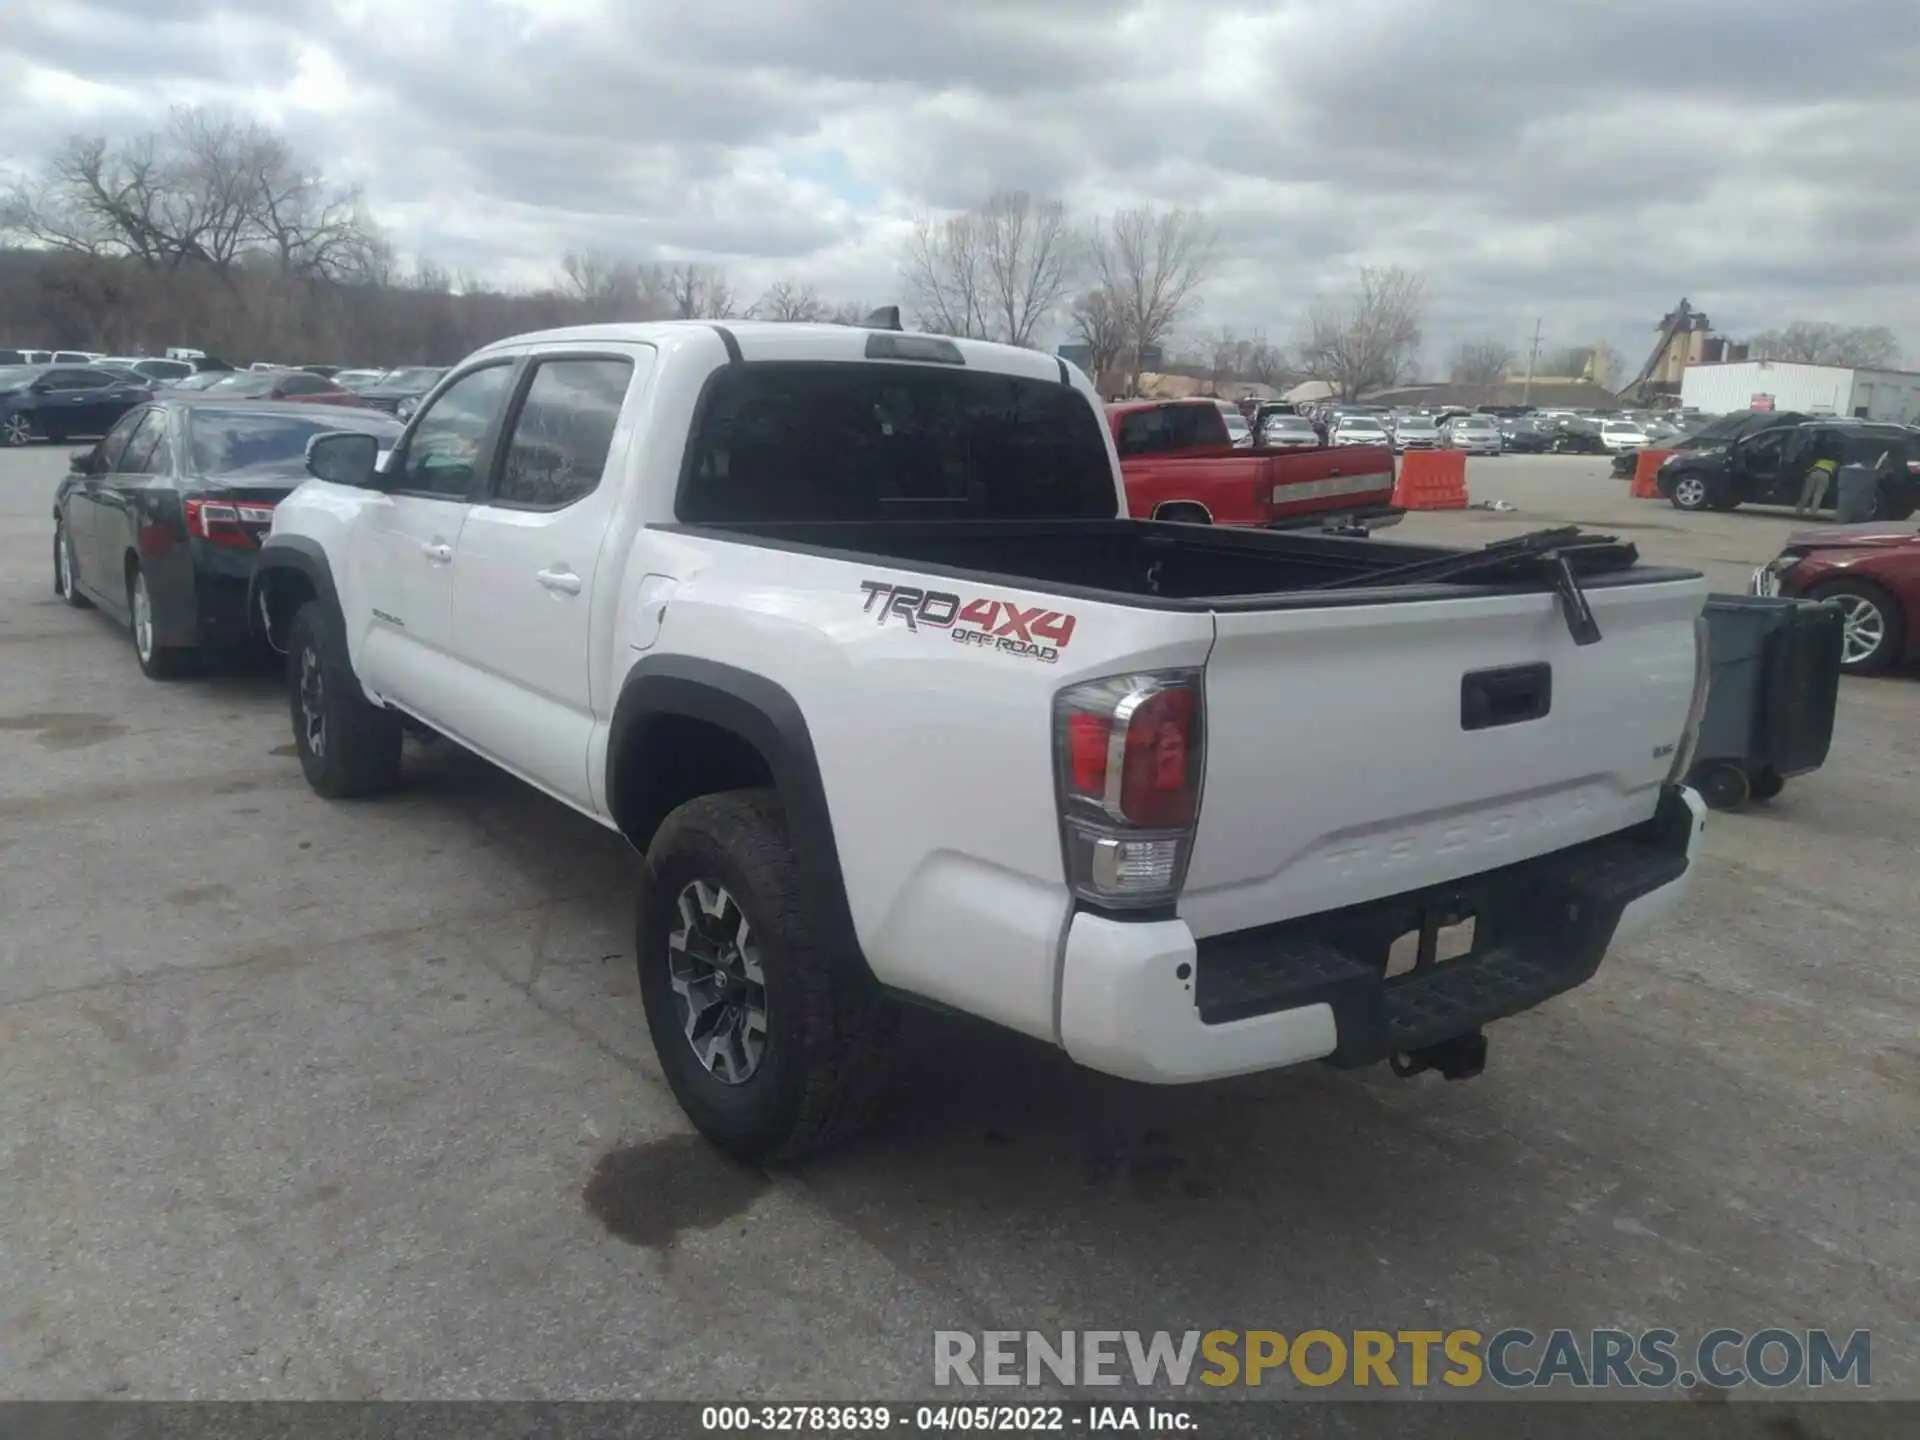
{"x": 1508, "y": 696}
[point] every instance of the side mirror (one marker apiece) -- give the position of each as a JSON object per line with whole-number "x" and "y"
{"x": 83, "y": 460}
{"x": 344, "y": 457}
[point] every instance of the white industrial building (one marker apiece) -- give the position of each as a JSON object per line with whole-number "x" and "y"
{"x": 1810, "y": 389}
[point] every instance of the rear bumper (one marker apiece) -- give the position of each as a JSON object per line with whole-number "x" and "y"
{"x": 1145, "y": 1001}
{"x": 1375, "y": 517}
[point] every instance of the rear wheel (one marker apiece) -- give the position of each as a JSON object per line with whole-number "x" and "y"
{"x": 1765, "y": 784}
{"x": 773, "y": 1043}
{"x": 1184, "y": 513}
{"x": 348, "y": 746}
{"x": 64, "y": 584}
{"x": 1722, "y": 784}
{"x": 1876, "y": 630}
{"x": 157, "y": 661}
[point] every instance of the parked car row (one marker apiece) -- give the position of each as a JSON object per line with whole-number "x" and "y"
{"x": 71, "y": 401}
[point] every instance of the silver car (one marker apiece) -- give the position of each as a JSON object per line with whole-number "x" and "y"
{"x": 1358, "y": 430}
{"x": 1475, "y": 434}
{"x": 1415, "y": 432}
{"x": 1288, "y": 432}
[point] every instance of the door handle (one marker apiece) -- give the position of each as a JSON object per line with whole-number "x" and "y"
{"x": 437, "y": 550}
{"x": 563, "y": 580}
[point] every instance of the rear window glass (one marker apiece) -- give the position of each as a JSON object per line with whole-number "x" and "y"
{"x": 224, "y": 441}
{"x": 1171, "y": 427}
{"x": 837, "y": 441}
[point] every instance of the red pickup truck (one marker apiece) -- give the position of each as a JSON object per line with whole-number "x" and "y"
{"x": 1179, "y": 463}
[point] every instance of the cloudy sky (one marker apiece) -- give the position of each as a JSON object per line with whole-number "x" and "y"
{"x": 1586, "y": 162}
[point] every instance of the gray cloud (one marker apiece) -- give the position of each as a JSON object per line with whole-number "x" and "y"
{"x": 1583, "y": 164}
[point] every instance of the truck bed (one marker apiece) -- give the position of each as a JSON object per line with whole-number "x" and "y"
{"x": 1142, "y": 562}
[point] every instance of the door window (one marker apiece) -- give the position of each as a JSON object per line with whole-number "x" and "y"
{"x": 305, "y": 385}
{"x": 1764, "y": 451}
{"x": 145, "y": 451}
{"x": 445, "y": 454}
{"x": 115, "y": 444}
{"x": 562, "y": 433}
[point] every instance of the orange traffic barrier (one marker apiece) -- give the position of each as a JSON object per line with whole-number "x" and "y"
{"x": 1645, "y": 466}
{"x": 1432, "y": 480}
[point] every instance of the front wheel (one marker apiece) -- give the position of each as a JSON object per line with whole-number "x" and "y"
{"x": 773, "y": 1043}
{"x": 1876, "y": 630}
{"x": 16, "y": 430}
{"x": 348, "y": 746}
{"x": 1691, "y": 492}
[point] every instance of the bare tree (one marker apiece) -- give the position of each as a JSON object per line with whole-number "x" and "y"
{"x": 1479, "y": 362}
{"x": 785, "y": 300}
{"x": 1152, "y": 265}
{"x": 1028, "y": 251}
{"x": 947, "y": 277}
{"x": 1821, "y": 342}
{"x": 1367, "y": 339}
{"x": 1096, "y": 322}
{"x": 1609, "y": 366}
{"x": 1229, "y": 357}
{"x": 849, "y": 312}
{"x": 693, "y": 292}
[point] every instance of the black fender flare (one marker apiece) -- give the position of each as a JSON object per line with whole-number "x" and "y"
{"x": 281, "y": 553}
{"x": 761, "y": 713}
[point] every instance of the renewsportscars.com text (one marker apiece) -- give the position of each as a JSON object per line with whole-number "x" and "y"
{"x": 1512, "y": 1359}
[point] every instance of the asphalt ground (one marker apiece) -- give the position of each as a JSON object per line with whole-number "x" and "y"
{"x": 355, "y": 1101}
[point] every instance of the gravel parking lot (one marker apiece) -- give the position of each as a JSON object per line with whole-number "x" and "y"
{"x": 312, "y": 1100}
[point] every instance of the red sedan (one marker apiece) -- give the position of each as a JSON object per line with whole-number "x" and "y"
{"x": 1872, "y": 572}
{"x": 299, "y": 385}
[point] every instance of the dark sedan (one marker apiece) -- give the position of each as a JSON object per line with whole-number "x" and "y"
{"x": 159, "y": 523}
{"x": 400, "y": 391}
{"x": 63, "y": 402}
{"x": 1520, "y": 436}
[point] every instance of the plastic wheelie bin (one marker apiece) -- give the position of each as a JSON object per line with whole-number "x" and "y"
{"x": 1774, "y": 682}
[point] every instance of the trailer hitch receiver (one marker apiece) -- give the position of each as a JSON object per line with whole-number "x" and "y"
{"x": 1460, "y": 1058}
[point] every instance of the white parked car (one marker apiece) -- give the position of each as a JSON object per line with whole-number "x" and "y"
{"x": 1358, "y": 430}
{"x": 1618, "y": 435}
{"x": 849, "y": 632}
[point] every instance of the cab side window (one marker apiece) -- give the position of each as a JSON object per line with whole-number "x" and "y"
{"x": 560, "y": 438}
{"x": 444, "y": 453}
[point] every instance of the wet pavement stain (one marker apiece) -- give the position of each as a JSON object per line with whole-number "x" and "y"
{"x": 65, "y": 729}
{"x": 650, "y": 1194}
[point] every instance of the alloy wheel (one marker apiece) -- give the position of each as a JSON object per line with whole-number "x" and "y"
{"x": 719, "y": 993}
{"x": 1866, "y": 629}
{"x": 142, "y": 618}
{"x": 1691, "y": 493}
{"x": 16, "y": 430}
{"x": 313, "y": 700}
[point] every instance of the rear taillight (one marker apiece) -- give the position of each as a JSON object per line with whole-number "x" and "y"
{"x": 1130, "y": 753}
{"x": 227, "y": 522}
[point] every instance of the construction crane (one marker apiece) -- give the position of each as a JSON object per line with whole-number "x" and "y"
{"x": 1679, "y": 321}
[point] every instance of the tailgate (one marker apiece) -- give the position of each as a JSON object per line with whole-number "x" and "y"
{"x": 1316, "y": 481}
{"x": 1359, "y": 751}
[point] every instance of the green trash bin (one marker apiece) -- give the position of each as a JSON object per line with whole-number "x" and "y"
{"x": 1774, "y": 683}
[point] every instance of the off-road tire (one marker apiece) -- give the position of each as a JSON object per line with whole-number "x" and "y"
{"x": 359, "y": 742}
{"x": 830, "y": 1030}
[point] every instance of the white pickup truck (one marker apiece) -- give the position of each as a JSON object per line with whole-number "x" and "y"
{"x": 847, "y": 630}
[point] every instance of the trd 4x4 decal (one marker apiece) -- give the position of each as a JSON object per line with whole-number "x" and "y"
{"x": 1000, "y": 625}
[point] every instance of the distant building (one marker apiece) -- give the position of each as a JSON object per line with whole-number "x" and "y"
{"x": 1720, "y": 389}
{"x": 1685, "y": 337}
